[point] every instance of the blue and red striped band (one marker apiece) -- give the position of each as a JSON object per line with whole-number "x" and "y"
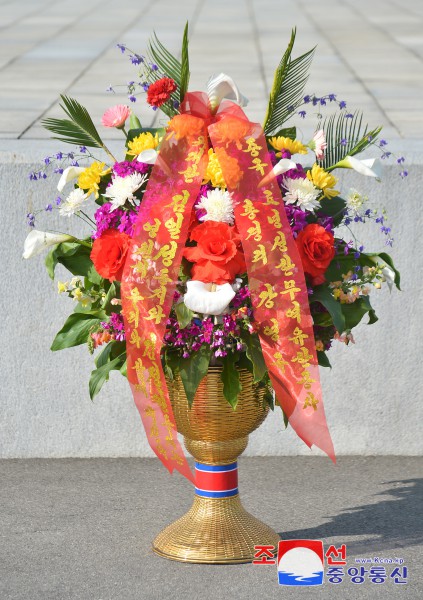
{"x": 216, "y": 481}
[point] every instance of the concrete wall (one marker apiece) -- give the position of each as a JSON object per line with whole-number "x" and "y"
{"x": 372, "y": 396}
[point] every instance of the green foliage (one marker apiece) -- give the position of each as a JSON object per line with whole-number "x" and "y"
{"x": 333, "y": 207}
{"x": 134, "y": 122}
{"x": 101, "y": 374}
{"x": 75, "y": 258}
{"x": 385, "y": 258}
{"x": 79, "y": 130}
{"x": 357, "y": 137}
{"x": 193, "y": 369}
{"x": 230, "y": 379}
{"x": 288, "y": 87}
{"x": 355, "y": 311}
{"x": 288, "y": 132}
{"x": 183, "y": 314}
{"x": 255, "y": 355}
{"x": 112, "y": 292}
{"x": 184, "y": 66}
{"x": 170, "y": 67}
{"x": 76, "y": 329}
{"x": 322, "y": 359}
{"x": 322, "y": 294}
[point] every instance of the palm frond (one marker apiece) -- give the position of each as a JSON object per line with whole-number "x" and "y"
{"x": 168, "y": 66}
{"x": 288, "y": 87}
{"x": 79, "y": 130}
{"x": 345, "y": 137}
{"x": 185, "y": 65}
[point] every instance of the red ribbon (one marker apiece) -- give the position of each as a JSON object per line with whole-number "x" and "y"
{"x": 275, "y": 274}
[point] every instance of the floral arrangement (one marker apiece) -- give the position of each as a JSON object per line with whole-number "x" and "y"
{"x": 215, "y": 303}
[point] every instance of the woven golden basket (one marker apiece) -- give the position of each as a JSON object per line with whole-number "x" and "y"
{"x": 216, "y": 530}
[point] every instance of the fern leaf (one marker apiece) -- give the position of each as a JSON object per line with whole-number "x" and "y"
{"x": 185, "y": 65}
{"x": 168, "y": 66}
{"x": 345, "y": 137}
{"x": 288, "y": 87}
{"x": 79, "y": 129}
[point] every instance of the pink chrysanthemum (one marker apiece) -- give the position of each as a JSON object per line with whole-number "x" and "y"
{"x": 116, "y": 116}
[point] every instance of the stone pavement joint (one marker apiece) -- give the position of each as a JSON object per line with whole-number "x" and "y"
{"x": 368, "y": 52}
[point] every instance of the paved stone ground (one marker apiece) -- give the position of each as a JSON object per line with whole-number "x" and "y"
{"x": 369, "y": 53}
{"x": 81, "y": 529}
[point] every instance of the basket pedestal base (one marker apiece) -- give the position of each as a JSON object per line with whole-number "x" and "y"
{"x": 217, "y": 528}
{"x": 214, "y": 530}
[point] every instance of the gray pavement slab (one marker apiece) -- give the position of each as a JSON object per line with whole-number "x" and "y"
{"x": 81, "y": 529}
{"x": 372, "y": 51}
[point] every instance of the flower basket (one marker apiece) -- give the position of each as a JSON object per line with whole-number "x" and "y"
{"x": 217, "y": 271}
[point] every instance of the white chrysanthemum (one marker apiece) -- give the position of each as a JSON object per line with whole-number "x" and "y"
{"x": 122, "y": 189}
{"x": 218, "y": 205}
{"x": 301, "y": 192}
{"x": 73, "y": 202}
{"x": 355, "y": 201}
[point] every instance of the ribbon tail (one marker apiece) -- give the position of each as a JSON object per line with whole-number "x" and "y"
{"x": 149, "y": 282}
{"x": 275, "y": 275}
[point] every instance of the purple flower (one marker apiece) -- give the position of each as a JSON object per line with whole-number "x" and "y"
{"x": 332, "y": 97}
{"x": 82, "y": 149}
{"x": 125, "y": 168}
{"x": 342, "y": 104}
{"x": 121, "y": 47}
{"x": 132, "y": 98}
{"x": 30, "y": 219}
{"x": 302, "y": 113}
{"x": 49, "y": 208}
{"x": 58, "y": 200}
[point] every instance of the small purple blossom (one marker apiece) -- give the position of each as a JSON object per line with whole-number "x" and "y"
{"x": 302, "y": 113}
{"x": 121, "y": 47}
{"x": 342, "y": 104}
{"x": 132, "y": 98}
{"x": 49, "y": 208}
{"x": 30, "y": 219}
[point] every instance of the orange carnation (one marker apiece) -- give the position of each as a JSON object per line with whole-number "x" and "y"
{"x": 186, "y": 126}
{"x": 232, "y": 129}
{"x": 230, "y": 167}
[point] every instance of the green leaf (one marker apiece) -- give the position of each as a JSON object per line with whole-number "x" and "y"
{"x": 183, "y": 314}
{"x": 288, "y": 132}
{"x": 322, "y": 359}
{"x": 100, "y": 375}
{"x": 184, "y": 66}
{"x": 193, "y": 369}
{"x": 75, "y": 258}
{"x": 134, "y": 122}
{"x": 75, "y": 331}
{"x": 168, "y": 66}
{"x": 79, "y": 130}
{"x": 388, "y": 261}
{"x": 112, "y": 292}
{"x": 255, "y": 354}
{"x": 333, "y": 207}
{"x": 322, "y": 294}
{"x": 133, "y": 133}
{"x": 230, "y": 379}
{"x": 104, "y": 355}
{"x": 355, "y": 311}
{"x": 288, "y": 87}
{"x": 354, "y": 135}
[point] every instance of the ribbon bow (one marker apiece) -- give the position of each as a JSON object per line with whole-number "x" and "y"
{"x": 276, "y": 279}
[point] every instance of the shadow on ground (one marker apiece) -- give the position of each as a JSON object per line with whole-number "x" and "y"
{"x": 387, "y": 524}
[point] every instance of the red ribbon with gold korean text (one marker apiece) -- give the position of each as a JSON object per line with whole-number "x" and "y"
{"x": 275, "y": 275}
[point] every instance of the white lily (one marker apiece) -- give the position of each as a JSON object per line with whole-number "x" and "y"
{"x": 68, "y": 174}
{"x": 370, "y": 167}
{"x": 36, "y": 241}
{"x": 284, "y": 165}
{"x": 222, "y": 86}
{"x": 148, "y": 157}
{"x": 200, "y": 298}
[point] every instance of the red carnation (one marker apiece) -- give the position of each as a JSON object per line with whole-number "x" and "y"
{"x": 160, "y": 91}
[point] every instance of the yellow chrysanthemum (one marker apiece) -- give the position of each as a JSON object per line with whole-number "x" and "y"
{"x": 214, "y": 173}
{"x": 323, "y": 180}
{"x": 91, "y": 177}
{"x": 283, "y": 143}
{"x": 144, "y": 141}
